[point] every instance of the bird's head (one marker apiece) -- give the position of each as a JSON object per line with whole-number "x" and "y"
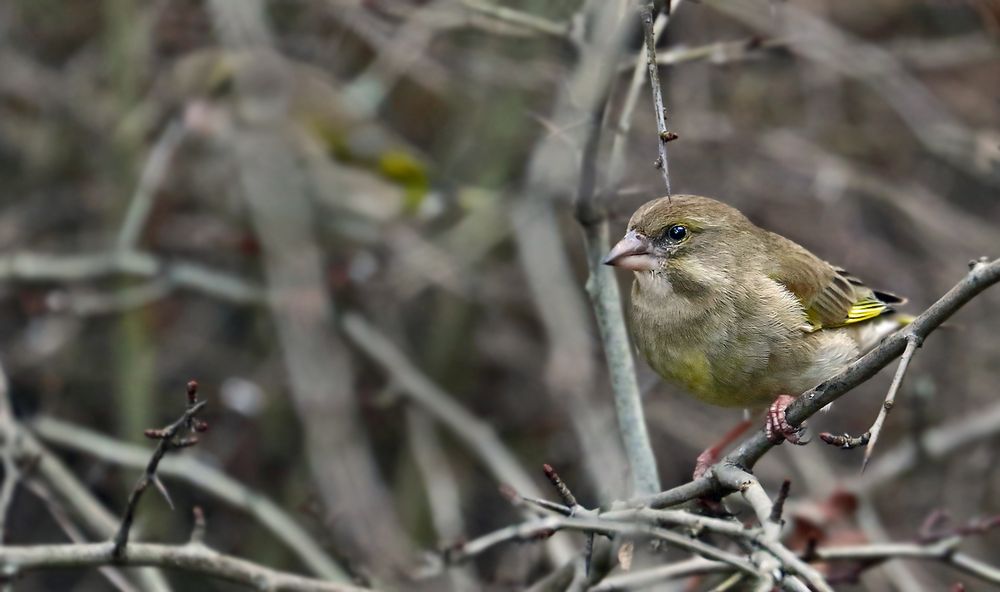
{"x": 685, "y": 236}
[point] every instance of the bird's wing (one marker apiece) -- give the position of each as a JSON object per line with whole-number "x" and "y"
{"x": 830, "y": 296}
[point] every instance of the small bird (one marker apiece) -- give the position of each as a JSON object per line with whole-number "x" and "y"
{"x": 738, "y": 315}
{"x": 318, "y": 109}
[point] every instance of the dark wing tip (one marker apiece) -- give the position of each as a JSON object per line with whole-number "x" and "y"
{"x": 888, "y": 297}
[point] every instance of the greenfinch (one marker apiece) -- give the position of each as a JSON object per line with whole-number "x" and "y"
{"x": 318, "y": 107}
{"x": 740, "y": 316}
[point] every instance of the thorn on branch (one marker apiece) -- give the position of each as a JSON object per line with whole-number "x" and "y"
{"x": 163, "y": 491}
{"x": 198, "y": 530}
{"x": 510, "y": 494}
{"x": 518, "y": 500}
{"x": 778, "y": 508}
{"x": 567, "y": 496}
{"x": 171, "y": 437}
{"x": 973, "y": 263}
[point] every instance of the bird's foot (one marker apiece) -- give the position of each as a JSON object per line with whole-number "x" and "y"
{"x": 713, "y": 453}
{"x": 776, "y": 426}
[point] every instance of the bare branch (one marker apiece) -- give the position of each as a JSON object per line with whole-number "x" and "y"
{"x": 931, "y": 122}
{"x": 544, "y": 527}
{"x": 202, "y": 476}
{"x": 943, "y": 551}
{"x": 152, "y": 176}
{"x": 642, "y": 579}
{"x": 114, "y": 575}
{"x": 61, "y": 489}
{"x": 170, "y": 438}
{"x": 912, "y": 343}
{"x": 936, "y": 445}
{"x": 662, "y": 134}
{"x": 564, "y": 492}
{"x": 8, "y": 456}
{"x": 194, "y": 558}
{"x": 476, "y": 434}
{"x": 602, "y": 286}
{"x": 36, "y": 267}
{"x": 774, "y": 557}
{"x": 519, "y": 19}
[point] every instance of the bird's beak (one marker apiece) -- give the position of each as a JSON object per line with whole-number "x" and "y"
{"x": 633, "y": 252}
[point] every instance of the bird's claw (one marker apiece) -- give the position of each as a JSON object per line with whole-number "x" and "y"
{"x": 776, "y": 426}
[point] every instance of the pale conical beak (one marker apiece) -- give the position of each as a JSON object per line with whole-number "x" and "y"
{"x": 633, "y": 252}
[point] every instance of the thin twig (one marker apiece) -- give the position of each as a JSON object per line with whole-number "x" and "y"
{"x": 643, "y": 579}
{"x": 561, "y": 488}
{"x": 59, "y": 515}
{"x": 778, "y": 508}
{"x": 662, "y": 134}
{"x": 616, "y": 160}
{"x": 930, "y": 120}
{"x": 149, "y": 181}
{"x": 170, "y": 439}
{"x": 479, "y": 436}
{"x": 11, "y": 477}
{"x": 194, "y": 558}
{"x": 517, "y": 18}
{"x": 8, "y": 455}
{"x": 846, "y": 441}
{"x": 912, "y": 343}
{"x": 602, "y": 285}
{"x": 199, "y": 527}
{"x": 936, "y": 443}
{"x": 38, "y": 267}
{"x": 774, "y": 556}
{"x": 544, "y": 527}
{"x": 943, "y": 551}
{"x": 63, "y": 487}
{"x": 442, "y": 490}
{"x": 720, "y": 52}
{"x": 201, "y": 476}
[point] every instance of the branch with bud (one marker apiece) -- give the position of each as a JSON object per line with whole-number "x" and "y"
{"x": 179, "y": 434}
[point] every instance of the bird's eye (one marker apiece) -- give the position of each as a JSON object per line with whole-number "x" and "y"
{"x": 677, "y": 232}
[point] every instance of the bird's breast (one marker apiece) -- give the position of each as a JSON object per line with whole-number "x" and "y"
{"x": 736, "y": 350}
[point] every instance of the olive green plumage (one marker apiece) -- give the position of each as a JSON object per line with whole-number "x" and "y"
{"x": 736, "y": 314}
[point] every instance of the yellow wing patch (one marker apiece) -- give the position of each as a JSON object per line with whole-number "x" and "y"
{"x": 867, "y": 308}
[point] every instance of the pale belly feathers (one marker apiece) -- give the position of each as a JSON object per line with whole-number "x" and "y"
{"x": 731, "y": 353}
